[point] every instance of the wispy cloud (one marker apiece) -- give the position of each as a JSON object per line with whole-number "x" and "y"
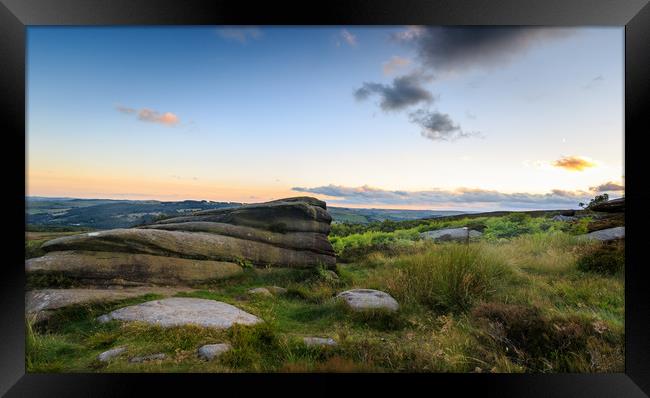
{"x": 404, "y": 91}
{"x": 609, "y": 186}
{"x": 438, "y": 126}
{"x": 460, "y": 196}
{"x": 594, "y": 82}
{"x": 395, "y": 63}
{"x": 150, "y": 115}
{"x": 348, "y": 38}
{"x": 573, "y": 163}
{"x": 242, "y": 34}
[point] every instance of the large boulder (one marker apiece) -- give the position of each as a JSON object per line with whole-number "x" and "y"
{"x": 117, "y": 268}
{"x": 310, "y": 241}
{"x": 182, "y": 311}
{"x": 451, "y": 234}
{"x": 288, "y": 215}
{"x": 190, "y": 245}
{"x": 606, "y": 235}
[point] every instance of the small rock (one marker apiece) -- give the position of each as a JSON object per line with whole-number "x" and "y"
{"x": 318, "y": 341}
{"x": 277, "y": 290}
{"x": 145, "y": 358}
{"x": 211, "y": 351}
{"x": 110, "y": 354}
{"x": 368, "y": 299}
{"x": 260, "y": 291}
{"x": 561, "y": 217}
{"x": 331, "y": 274}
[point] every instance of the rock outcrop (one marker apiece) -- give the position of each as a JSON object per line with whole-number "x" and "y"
{"x": 610, "y": 206}
{"x": 204, "y": 246}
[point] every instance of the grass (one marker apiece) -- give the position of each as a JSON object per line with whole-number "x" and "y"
{"x": 535, "y": 301}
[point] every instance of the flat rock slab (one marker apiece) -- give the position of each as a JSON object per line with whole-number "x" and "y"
{"x": 51, "y": 299}
{"x": 180, "y": 311}
{"x": 560, "y": 217}
{"x": 606, "y": 234}
{"x": 318, "y": 341}
{"x": 450, "y": 234}
{"x": 153, "y": 357}
{"x": 110, "y": 354}
{"x": 261, "y": 292}
{"x": 369, "y": 299}
{"x": 277, "y": 290}
{"x": 211, "y": 351}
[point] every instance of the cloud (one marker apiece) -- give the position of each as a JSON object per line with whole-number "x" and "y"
{"x": 608, "y": 187}
{"x": 348, "y": 37}
{"x": 573, "y": 163}
{"x": 453, "y": 48}
{"x": 405, "y": 91}
{"x": 460, "y": 196}
{"x": 593, "y": 82}
{"x": 395, "y": 63}
{"x": 150, "y": 115}
{"x": 438, "y": 126}
{"x": 240, "y": 34}
{"x": 124, "y": 109}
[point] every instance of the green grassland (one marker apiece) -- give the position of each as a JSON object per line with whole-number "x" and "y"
{"x": 529, "y": 296}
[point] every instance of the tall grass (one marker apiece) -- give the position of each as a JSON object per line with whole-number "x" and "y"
{"x": 448, "y": 278}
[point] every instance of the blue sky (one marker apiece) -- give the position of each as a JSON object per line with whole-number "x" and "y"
{"x": 524, "y": 119}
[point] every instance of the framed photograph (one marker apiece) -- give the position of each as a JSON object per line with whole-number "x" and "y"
{"x": 220, "y": 195}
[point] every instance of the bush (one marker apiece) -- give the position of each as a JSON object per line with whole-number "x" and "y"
{"x": 357, "y": 246}
{"x": 607, "y": 258}
{"x": 447, "y": 278}
{"x": 542, "y": 343}
{"x": 516, "y": 224}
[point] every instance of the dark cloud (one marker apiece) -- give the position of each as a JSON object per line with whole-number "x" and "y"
{"x": 608, "y": 187}
{"x": 370, "y": 195}
{"x": 405, "y": 91}
{"x": 452, "y": 48}
{"x": 438, "y": 126}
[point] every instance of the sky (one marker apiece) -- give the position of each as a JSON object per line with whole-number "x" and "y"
{"x": 408, "y": 117}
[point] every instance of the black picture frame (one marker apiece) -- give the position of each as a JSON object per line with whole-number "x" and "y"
{"x": 16, "y": 15}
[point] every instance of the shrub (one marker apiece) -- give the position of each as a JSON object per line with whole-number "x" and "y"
{"x": 542, "y": 343}
{"x": 357, "y": 246}
{"x": 516, "y": 224}
{"x": 607, "y": 258}
{"x": 447, "y": 278}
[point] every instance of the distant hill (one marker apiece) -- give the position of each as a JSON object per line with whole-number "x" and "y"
{"x": 365, "y": 216}
{"x": 109, "y": 213}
